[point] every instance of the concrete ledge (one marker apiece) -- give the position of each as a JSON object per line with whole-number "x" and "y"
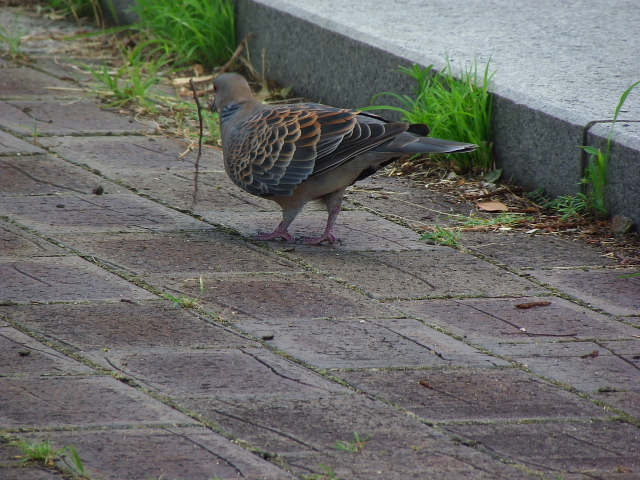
{"x": 342, "y": 54}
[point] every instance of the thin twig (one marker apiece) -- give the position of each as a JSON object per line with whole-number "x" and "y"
{"x": 243, "y": 44}
{"x": 529, "y": 334}
{"x": 195, "y": 177}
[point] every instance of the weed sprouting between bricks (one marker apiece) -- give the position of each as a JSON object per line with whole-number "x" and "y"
{"x": 356, "y": 446}
{"x": 594, "y": 183}
{"x": 41, "y": 452}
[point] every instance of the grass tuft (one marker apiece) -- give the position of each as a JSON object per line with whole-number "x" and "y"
{"x": 185, "y": 301}
{"x": 329, "y": 474}
{"x": 454, "y": 108}
{"x": 444, "y": 236}
{"x": 77, "y": 9}
{"x": 132, "y": 83}
{"x": 356, "y": 446}
{"x": 594, "y": 183}
{"x": 43, "y": 453}
{"x": 11, "y": 40}
{"x": 197, "y": 31}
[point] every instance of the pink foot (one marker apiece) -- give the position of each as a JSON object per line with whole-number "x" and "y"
{"x": 328, "y": 237}
{"x": 279, "y": 233}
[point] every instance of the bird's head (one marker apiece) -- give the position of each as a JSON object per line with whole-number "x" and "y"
{"x": 231, "y": 90}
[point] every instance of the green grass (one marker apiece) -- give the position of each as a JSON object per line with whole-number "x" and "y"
{"x": 77, "y": 9}
{"x": 594, "y": 183}
{"x": 43, "y": 453}
{"x": 450, "y": 236}
{"x": 329, "y": 474}
{"x": 170, "y": 35}
{"x": 444, "y": 236}
{"x": 503, "y": 219}
{"x": 133, "y": 81}
{"x": 197, "y": 31}
{"x": 454, "y": 108}
{"x": 185, "y": 301}
{"x": 356, "y": 446}
{"x": 182, "y": 300}
{"x": 12, "y": 40}
{"x": 595, "y": 178}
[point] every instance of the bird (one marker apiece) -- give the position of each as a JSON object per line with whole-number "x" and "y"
{"x": 295, "y": 153}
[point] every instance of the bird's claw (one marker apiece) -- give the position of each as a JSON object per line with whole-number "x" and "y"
{"x": 286, "y": 236}
{"x": 329, "y": 238}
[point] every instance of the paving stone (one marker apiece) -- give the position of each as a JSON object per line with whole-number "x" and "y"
{"x": 100, "y": 325}
{"x": 51, "y": 117}
{"x": 46, "y": 175}
{"x": 619, "y": 473}
{"x": 193, "y": 453}
{"x": 178, "y": 190}
{"x": 63, "y": 67}
{"x": 483, "y": 321}
{"x": 24, "y": 356}
{"x": 628, "y": 351}
{"x": 407, "y": 199}
{"x": 112, "y": 155}
{"x": 299, "y": 296}
{"x": 26, "y": 82}
{"x": 527, "y": 252}
{"x": 9, "y": 454}
{"x": 108, "y": 213}
{"x": 366, "y": 343}
{"x": 605, "y": 289}
{"x": 438, "y": 271}
{"x": 357, "y": 230}
{"x": 51, "y": 35}
{"x": 628, "y": 402}
{"x": 473, "y": 394}
{"x": 55, "y": 402}
{"x": 15, "y": 242}
{"x": 42, "y": 279}
{"x": 592, "y": 448}
{"x": 217, "y": 180}
{"x": 587, "y": 366}
{"x": 179, "y": 253}
{"x": 304, "y": 432}
{"x": 10, "y": 145}
{"x": 29, "y": 474}
{"x": 399, "y": 463}
{"x": 228, "y": 372}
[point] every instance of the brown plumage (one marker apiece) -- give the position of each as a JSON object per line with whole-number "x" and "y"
{"x": 292, "y": 154}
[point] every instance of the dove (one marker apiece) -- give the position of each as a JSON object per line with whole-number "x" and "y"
{"x": 295, "y": 153}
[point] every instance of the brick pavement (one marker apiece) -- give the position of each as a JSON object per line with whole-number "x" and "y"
{"x": 419, "y": 349}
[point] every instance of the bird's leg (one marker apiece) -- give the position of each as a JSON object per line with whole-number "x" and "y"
{"x": 333, "y": 201}
{"x": 282, "y": 231}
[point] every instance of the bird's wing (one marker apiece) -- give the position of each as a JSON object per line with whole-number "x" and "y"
{"x": 272, "y": 151}
{"x": 363, "y": 134}
{"x": 276, "y": 148}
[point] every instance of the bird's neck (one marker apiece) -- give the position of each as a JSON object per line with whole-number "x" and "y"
{"x": 238, "y": 109}
{"x": 229, "y": 110}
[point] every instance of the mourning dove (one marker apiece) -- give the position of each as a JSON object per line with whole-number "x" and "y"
{"x": 293, "y": 154}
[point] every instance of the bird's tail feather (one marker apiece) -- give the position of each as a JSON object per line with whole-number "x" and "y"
{"x": 407, "y": 143}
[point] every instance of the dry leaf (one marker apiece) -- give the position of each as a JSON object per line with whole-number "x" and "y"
{"x": 593, "y": 354}
{"x": 185, "y": 80}
{"x": 533, "y": 304}
{"x": 492, "y": 206}
{"x": 198, "y": 69}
